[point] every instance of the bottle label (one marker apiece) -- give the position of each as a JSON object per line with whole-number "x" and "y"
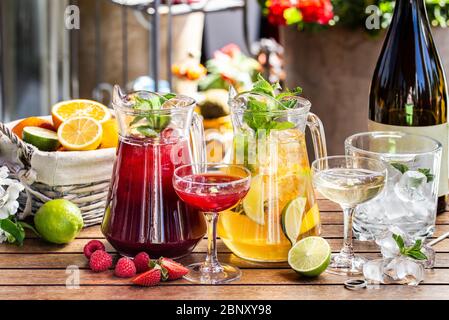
{"x": 438, "y": 132}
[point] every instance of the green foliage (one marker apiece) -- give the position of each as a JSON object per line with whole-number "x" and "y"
{"x": 155, "y": 122}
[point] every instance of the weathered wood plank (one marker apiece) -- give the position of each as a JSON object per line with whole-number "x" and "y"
{"x": 76, "y": 246}
{"x": 249, "y": 277}
{"x": 274, "y": 292}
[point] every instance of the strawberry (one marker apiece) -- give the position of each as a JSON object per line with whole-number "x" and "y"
{"x": 174, "y": 269}
{"x": 125, "y": 268}
{"x": 149, "y": 278}
{"x": 142, "y": 262}
{"x": 93, "y": 246}
{"x": 100, "y": 261}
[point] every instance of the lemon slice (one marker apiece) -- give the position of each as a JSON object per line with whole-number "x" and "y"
{"x": 79, "y": 108}
{"x": 43, "y": 139}
{"x": 310, "y": 256}
{"x": 311, "y": 219}
{"x": 254, "y": 202}
{"x": 80, "y": 134}
{"x": 292, "y": 216}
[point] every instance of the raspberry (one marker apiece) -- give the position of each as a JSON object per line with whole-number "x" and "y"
{"x": 125, "y": 268}
{"x": 100, "y": 261}
{"x": 93, "y": 246}
{"x": 142, "y": 262}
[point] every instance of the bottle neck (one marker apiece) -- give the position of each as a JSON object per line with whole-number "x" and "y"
{"x": 415, "y": 9}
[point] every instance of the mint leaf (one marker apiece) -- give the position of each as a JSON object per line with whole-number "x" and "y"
{"x": 15, "y": 230}
{"x": 417, "y": 255}
{"x": 284, "y": 125}
{"x": 399, "y": 242}
{"x": 263, "y": 86}
{"x": 430, "y": 177}
{"x": 413, "y": 251}
{"x": 400, "y": 166}
{"x": 147, "y": 131}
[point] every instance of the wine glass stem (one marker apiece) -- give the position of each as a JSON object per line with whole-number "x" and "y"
{"x": 211, "y": 262}
{"x": 347, "y": 250}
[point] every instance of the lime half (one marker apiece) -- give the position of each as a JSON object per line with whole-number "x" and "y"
{"x": 310, "y": 256}
{"x": 292, "y": 216}
{"x": 43, "y": 139}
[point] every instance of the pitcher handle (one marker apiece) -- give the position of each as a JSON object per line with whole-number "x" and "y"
{"x": 318, "y": 137}
{"x": 198, "y": 139}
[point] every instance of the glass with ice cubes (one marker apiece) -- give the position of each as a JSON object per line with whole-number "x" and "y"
{"x": 409, "y": 199}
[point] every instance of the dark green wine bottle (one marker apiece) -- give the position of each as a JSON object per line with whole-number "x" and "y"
{"x": 409, "y": 91}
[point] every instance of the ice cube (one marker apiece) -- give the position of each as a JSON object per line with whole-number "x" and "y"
{"x": 411, "y": 186}
{"x": 373, "y": 271}
{"x": 430, "y": 254}
{"x": 405, "y": 271}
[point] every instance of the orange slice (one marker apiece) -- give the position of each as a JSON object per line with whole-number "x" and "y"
{"x": 80, "y": 134}
{"x": 79, "y": 108}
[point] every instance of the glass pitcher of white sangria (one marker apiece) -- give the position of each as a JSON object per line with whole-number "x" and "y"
{"x": 269, "y": 140}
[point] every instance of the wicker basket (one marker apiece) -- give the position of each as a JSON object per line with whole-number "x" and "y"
{"x": 81, "y": 177}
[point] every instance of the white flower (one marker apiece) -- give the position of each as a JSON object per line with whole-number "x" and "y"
{"x": 8, "y": 196}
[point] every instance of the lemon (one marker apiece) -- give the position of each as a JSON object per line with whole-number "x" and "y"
{"x": 311, "y": 219}
{"x": 58, "y": 221}
{"x": 292, "y": 216}
{"x": 65, "y": 110}
{"x": 80, "y": 134}
{"x": 43, "y": 139}
{"x": 254, "y": 202}
{"x": 310, "y": 256}
{"x": 110, "y": 134}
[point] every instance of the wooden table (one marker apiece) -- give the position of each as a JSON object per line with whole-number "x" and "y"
{"x": 38, "y": 271}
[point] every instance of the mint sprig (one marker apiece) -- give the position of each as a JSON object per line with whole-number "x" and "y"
{"x": 155, "y": 122}
{"x": 412, "y": 251}
{"x": 403, "y": 168}
{"x": 258, "y": 115}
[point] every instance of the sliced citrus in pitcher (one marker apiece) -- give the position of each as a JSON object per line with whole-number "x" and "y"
{"x": 80, "y": 134}
{"x": 311, "y": 219}
{"x": 292, "y": 216}
{"x": 79, "y": 108}
{"x": 254, "y": 202}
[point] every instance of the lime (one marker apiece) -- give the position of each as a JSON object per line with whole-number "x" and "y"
{"x": 58, "y": 221}
{"x": 43, "y": 139}
{"x": 254, "y": 202}
{"x": 310, "y": 256}
{"x": 292, "y": 216}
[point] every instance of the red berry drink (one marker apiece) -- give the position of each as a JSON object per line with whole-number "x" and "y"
{"x": 144, "y": 213}
{"x": 211, "y": 192}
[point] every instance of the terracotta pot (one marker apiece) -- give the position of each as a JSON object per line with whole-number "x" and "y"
{"x": 335, "y": 69}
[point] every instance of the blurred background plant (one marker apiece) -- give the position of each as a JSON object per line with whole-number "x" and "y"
{"x": 316, "y": 14}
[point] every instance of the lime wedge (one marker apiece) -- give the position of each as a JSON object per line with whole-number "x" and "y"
{"x": 254, "y": 202}
{"x": 310, "y": 256}
{"x": 292, "y": 215}
{"x": 43, "y": 139}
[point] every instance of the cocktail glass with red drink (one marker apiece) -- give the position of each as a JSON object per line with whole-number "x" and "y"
{"x": 212, "y": 188}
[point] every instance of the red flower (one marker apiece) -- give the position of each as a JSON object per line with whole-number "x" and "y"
{"x": 317, "y": 11}
{"x": 276, "y": 10}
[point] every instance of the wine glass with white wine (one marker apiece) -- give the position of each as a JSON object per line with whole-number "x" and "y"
{"x": 348, "y": 181}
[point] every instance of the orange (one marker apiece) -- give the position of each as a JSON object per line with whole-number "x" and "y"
{"x": 79, "y": 108}
{"x": 32, "y": 122}
{"x": 80, "y": 134}
{"x": 110, "y": 134}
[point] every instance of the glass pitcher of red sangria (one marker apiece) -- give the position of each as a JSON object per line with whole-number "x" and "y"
{"x": 158, "y": 133}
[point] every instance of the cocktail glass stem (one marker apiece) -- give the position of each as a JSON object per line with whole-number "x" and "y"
{"x": 347, "y": 251}
{"x": 211, "y": 263}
